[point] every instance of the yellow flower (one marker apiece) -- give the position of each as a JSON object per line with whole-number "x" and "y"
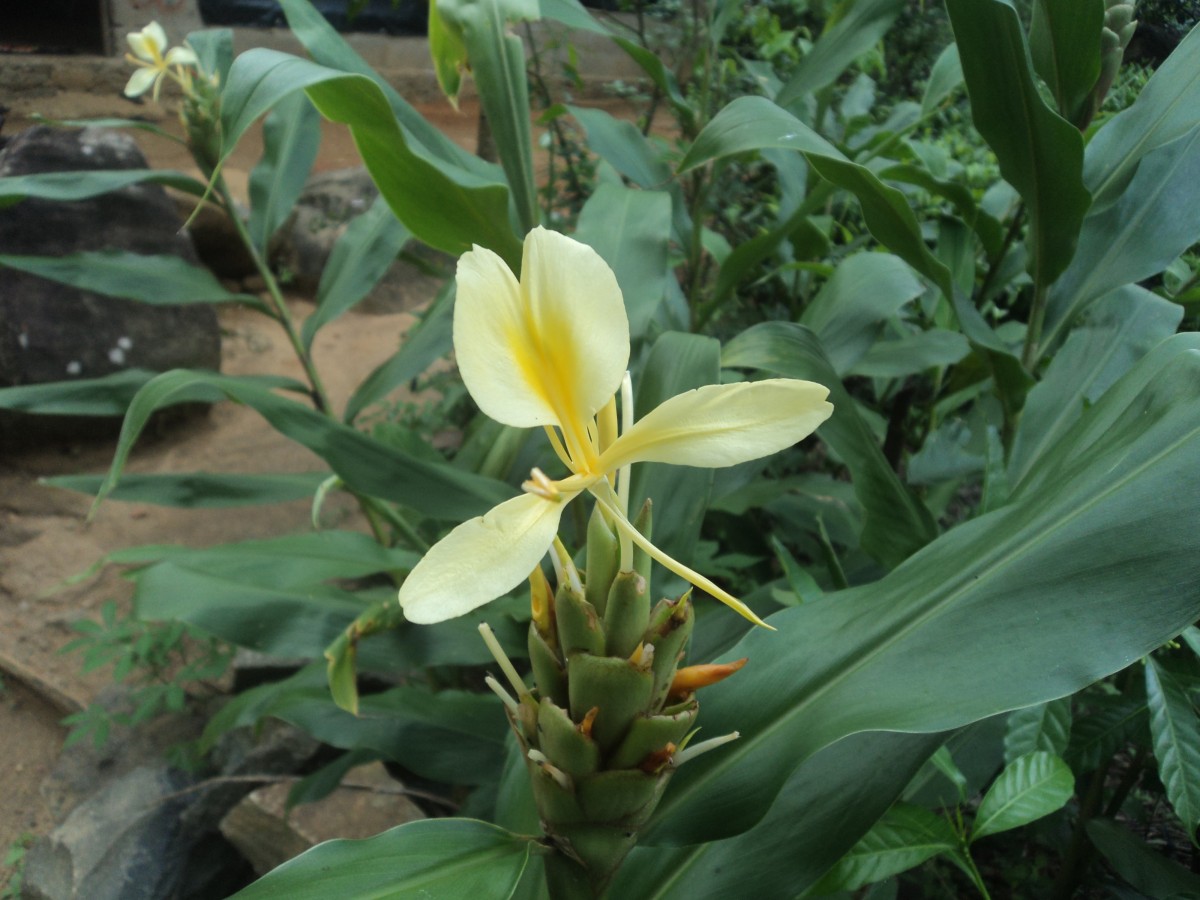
{"x": 551, "y": 350}
{"x": 147, "y": 46}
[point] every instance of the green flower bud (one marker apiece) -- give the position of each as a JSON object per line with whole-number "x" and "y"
{"x": 615, "y": 686}
{"x": 628, "y": 613}
{"x": 579, "y": 627}
{"x": 603, "y": 560}
{"x": 564, "y": 744}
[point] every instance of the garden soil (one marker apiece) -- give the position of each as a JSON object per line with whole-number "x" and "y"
{"x": 45, "y": 535}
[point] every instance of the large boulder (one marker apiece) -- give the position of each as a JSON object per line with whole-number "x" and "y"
{"x": 51, "y": 332}
{"x": 331, "y": 200}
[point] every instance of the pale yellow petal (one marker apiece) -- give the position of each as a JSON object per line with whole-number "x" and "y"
{"x": 490, "y": 323}
{"x": 181, "y": 56}
{"x": 481, "y": 559}
{"x": 574, "y": 297}
{"x": 549, "y": 350}
{"x": 157, "y": 36}
{"x": 140, "y": 82}
{"x": 722, "y": 425}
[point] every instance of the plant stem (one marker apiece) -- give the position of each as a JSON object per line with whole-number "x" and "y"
{"x": 1033, "y": 332}
{"x": 316, "y": 388}
{"x": 973, "y": 871}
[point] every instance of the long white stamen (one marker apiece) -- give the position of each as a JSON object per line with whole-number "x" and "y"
{"x": 623, "y": 477}
{"x": 542, "y": 485}
{"x": 503, "y": 661}
{"x": 499, "y": 691}
{"x": 691, "y": 752}
{"x": 562, "y": 778}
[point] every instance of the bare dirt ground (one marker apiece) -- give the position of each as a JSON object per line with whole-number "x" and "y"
{"x": 44, "y": 533}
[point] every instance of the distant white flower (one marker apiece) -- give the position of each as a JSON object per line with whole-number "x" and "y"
{"x": 153, "y": 66}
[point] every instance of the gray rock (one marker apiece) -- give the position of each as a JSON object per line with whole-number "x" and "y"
{"x": 121, "y": 844}
{"x": 50, "y": 332}
{"x": 300, "y": 249}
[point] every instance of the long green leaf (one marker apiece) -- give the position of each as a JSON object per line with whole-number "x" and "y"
{"x": 330, "y": 49}
{"x": 360, "y": 258}
{"x": 299, "y": 620}
{"x": 450, "y": 211}
{"x": 1031, "y": 602}
{"x": 853, "y": 35}
{"x": 1115, "y": 332}
{"x": 905, "y": 837}
{"x": 1064, "y": 42}
{"x": 498, "y": 65}
{"x": 631, "y": 230}
{"x": 848, "y": 313}
{"x": 159, "y": 280}
{"x": 1137, "y": 236}
{"x": 1030, "y": 787}
{"x": 82, "y": 185}
{"x": 199, "y": 490}
{"x": 450, "y": 859}
{"x": 753, "y": 123}
{"x": 1167, "y": 108}
{"x": 1040, "y": 153}
{"x": 1146, "y": 869}
{"x": 827, "y": 805}
{"x": 897, "y": 523}
{"x": 291, "y": 134}
{"x": 109, "y": 395}
{"x": 1176, "y": 733}
{"x": 362, "y": 462}
{"x": 1042, "y": 727}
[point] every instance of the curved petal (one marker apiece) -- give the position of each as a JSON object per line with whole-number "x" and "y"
{"x": 481, "y": 559}
{"x": 576, "y": 303}
{"x": 550, "y": 350}
{"x": 157, "y": 35}
{"x": 722, "y": 425}
{"x": 182, "y": 56}
{"x": 490, "y": 342}
{"x": 140, "y": 82}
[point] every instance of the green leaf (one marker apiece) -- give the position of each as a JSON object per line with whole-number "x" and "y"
{"x": 826, "y": 806}
{"x": 451, "y": 859}
{"x": 430, "y": 339}
{"x": 291, "y": 134}
{"x": 360, "y": 258}
{"x": 905, "y": 837}
{"x": 855, "y": 33}
{"x": 1176, "y": 734}
{"x": 897, "y": 523}
{"x": 1040, "y": 154}
{"x": 1076, "y": 576}
{"x": 82, "y": 185}
{"x": 159, "y": 280}
{"x": 199, "y": 490}
{"x": 1114, "y": 333}
{"x": 621, "y": 145}
{"x": 631, "y": 230}
{"x": 1139, "y": 235}
{"x": 362, "y": 462}
{"x": 1030, "y": 787}
{"x": 300, "y": 620}
{"x": 1064, "y": 42}
{"x": 1044, "y": 727}
{"x": 1167, "y": 108}
{"x": 1147, "y": 870}
{"x": 848, "y": 313}
{"x": 456, "y": 737}
{"x": 447, "y": 208}
{"x": 106, "y": 396}
{"x": 330, "y": 49}
{"x": 449, "y": 54}
{"x": 944, "y": 78}
{"x": 752, "y": 123}
{"x": 497, "y": 59}
{"x": 1103, "y": 730}
{"x": 915, "y": 353}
